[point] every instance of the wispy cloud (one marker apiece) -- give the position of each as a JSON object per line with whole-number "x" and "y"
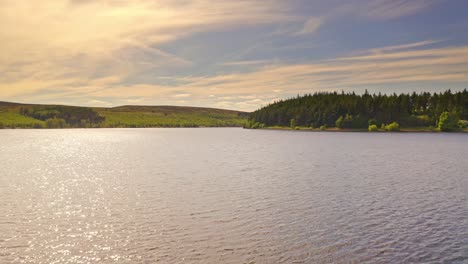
{"x": 452, "y": 54}
{"x": 246, "y": 63}
{"x": 80, "y": 39}
{"x": 246, "y": 91}
{"x": 185, "y": 95}
{"x": 136, "y": 51}
{"x": 383, "y": 9}
{"x": 99, "y": 103}
{"x": 310, "y": 26}
{"x": 405, "y": 46}
{"x": 371, "y": 10}
{"x": 390, "y": 9}
{"x": 434, "y": 65}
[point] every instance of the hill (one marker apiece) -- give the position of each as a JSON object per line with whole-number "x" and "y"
{"x": 17, "y": 115}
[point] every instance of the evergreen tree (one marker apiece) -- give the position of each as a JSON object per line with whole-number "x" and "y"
{"x": 349, "y": 110}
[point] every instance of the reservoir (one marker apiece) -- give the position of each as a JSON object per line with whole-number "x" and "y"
{"x": 230, "y": 195}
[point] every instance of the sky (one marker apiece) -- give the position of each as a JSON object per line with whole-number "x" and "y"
{"x": 232, "y": 54}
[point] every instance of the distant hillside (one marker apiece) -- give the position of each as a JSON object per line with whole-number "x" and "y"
{"x": 16, "y": 115}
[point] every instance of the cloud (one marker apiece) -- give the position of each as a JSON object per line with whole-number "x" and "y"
{"x": 113, "y": 52}
{"x": 182, "y": 95}
{"x": 310, "y": 26}
{"x": 390, "y": 9}
{"x": 405, "y": 46}
{"x": 99, "y": 103}
{"x": 382, "y": 9}
{"x": 46, "y": 41}
{"x": 407, "y": 66}
{"x": 439, "y": 55}
{"x": 246, "y": 63}
{"x": 373, "y": 10}
{"x": 393, "y": 66}
{"x": 248, "y": 90}
{"x": 103, "y": 25}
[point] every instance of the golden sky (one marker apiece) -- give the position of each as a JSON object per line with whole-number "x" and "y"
{"x": 229, "y": 54}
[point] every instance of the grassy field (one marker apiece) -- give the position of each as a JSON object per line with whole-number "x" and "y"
{"x": 14, "y": 115}
{"x": 15, "y": 120}
{"x": 170, "y": 116}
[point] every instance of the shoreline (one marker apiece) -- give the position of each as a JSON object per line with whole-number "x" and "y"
{"x": 355, "y": 130}
{"x": 299, "y": 129}
{"x": 70, "y": 128}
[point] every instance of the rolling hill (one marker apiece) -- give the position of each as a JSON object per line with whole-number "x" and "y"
{"x": 17, "y": 115}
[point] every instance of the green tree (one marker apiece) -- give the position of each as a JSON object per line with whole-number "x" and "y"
{"x": 394, "y": 126}
{"x": 292, "y": 123}
{"x": 339, "y": 122}
{"x": 462, "y": 124}
{"x": 448, "y": 122}
{"x": 37, "y": 125}
{"x": 56, "y": 123}
{"x": 373, "y": 128}
{"x": 256, "y": 125}
{"x": 318, "y": 109}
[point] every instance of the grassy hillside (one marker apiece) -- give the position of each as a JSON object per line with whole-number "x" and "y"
{"x": 11, "y": 118}
{"x": 13, "y": 115}
{"x": 170, "y": 116}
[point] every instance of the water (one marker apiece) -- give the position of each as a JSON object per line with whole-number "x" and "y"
{"x": 232, "y": 196}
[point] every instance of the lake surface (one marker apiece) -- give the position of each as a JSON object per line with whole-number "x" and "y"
{"x": 228, "y": 195}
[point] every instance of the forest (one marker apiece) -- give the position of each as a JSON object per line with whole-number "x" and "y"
{"x": 446, "y": 111}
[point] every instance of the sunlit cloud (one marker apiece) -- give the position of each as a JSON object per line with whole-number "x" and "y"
{"x": 117, "y": 52}
{"x": 246, "y": 63}
{"x": 246, "y": 91}
{"x": 100, "y": 103}
{"x": 448, "y": 64}
{"x": 55, "y": 39}
{"x": 182, "y": 95}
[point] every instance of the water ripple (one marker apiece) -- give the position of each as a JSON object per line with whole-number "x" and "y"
{"x": 232, "y": 196}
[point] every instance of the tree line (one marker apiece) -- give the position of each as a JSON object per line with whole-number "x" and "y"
{"x": 350, "y": 110}
{"x": 64, "y": 116}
